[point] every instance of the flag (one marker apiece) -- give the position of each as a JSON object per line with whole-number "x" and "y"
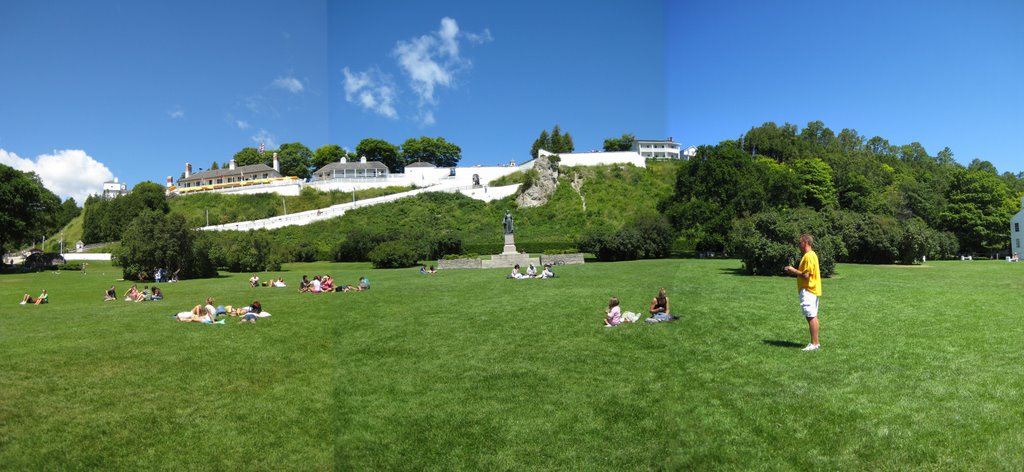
{"x": 261, "y": 148}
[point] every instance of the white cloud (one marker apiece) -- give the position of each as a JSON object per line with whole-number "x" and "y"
{"x": 242, "y": 124}
{"x": 67, "y": 173}
{"x": 176, "y": 113}
{"x": 428, "y": 118}
{"x": 431, "y": 60}
{"x": 480, "y": 38}
{"x": 290, "y": 84}
{"x": 372, "y": 90}
{"x": 263, "y": 136}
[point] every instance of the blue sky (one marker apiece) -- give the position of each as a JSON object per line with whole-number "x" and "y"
{"x": 939, "y": 73}
{"x": 93, "y": 90}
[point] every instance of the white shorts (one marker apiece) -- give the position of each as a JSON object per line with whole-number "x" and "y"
{"x": 808, "y": 303}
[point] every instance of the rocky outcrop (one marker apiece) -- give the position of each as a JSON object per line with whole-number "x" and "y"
{"x": 542, "y": 184}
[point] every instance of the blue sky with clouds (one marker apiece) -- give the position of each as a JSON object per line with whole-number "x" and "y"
{"x": 89, "y": 91}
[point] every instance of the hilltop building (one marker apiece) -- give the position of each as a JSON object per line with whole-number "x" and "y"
{"x": 255, "y": 178}
{"x": 667, "y": 149}
{"x": 114, "y": 189}
{"x": 351, "y": 170}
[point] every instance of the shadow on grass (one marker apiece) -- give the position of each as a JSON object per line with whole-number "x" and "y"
{"x": 732, "y": 271}
{"x": 780, "y": 343}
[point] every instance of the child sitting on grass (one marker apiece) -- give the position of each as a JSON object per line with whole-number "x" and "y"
{"x": 614, "y": 317}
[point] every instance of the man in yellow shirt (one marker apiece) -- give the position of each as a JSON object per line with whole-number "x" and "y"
{"x": 808, "y": 286}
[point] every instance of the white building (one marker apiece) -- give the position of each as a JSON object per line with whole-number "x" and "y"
{"x": 114, "y": 189}
{"x": 668, "y": 149}
{"x": 1016, "y": 235}
{"x": 251, "y": 179}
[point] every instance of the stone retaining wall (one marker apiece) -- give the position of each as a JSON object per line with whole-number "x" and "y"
{"x": 459, "y": 264}
{"x": 561, "y": 259}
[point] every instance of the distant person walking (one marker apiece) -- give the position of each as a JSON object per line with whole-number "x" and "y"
{"x": 808, "y": 285}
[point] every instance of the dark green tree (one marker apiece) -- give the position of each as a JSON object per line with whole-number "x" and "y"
{"x": 214, "y": 166}
{"x": 249, "y": 156}
{"x": 26, "y": 208}
{"x": 295, "y": 159}
{"x": 623, "y": 143}
{"x": 542, "y": 142}
{"x": 327, "y": 154}
{"x": 435, "y": 151}
{"x": 978, "y": 211}
{"x": 381, "y": 150}
{"x": 156, "y": 239}
{"x": 816, "y": 178}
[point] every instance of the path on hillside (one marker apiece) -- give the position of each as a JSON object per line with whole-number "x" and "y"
{"x": 307, "y": 217}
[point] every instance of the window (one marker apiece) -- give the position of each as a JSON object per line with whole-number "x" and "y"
{"x": 1018, "y": 243}
{"x": 1016, "y": 227}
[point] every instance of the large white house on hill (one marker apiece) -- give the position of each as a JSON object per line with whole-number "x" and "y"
{"x": 1016, "y": 225}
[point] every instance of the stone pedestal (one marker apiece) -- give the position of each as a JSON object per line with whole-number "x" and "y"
{"x": 510, "y": 245}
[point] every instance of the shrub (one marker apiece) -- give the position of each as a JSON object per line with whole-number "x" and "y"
{"x": 394, "y": 254}
{"x": 358, "y": 244}
{"x": 648, "y": 237}
{"x": 449, "y": 257}
{"x": 767, "y": 242}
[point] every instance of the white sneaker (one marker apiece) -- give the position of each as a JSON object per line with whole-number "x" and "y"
{"x": 22, "y": 303}
{"x": 811, "y": 347}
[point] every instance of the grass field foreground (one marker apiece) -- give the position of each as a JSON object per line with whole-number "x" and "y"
{"x": 920, "y": 368}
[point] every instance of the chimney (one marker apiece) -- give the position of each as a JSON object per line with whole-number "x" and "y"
{"x": 170, "y": 182}
{"x": 115, "y": 180}
{"x": 277, "y": 164}
{"x": 670, "y": 139}
{"x": 362, "y": 159}
{"x": 344, "y": 160}
{"x": 188, "y": 170}
{"x": 231, "y": 165}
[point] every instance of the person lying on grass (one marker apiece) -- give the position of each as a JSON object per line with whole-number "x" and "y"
{"x": 28, "y": 300}
{"x": 252, "y": 312}
{"x": 200, "y": 313}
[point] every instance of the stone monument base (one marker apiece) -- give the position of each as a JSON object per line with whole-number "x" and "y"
{"x": 510, "y": 260}
{"x": 510, "y": 245}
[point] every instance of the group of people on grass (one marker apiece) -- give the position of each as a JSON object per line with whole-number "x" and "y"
{"x": 808, "y": 284}
{"x": 325, "y": 283}
{"x": 133, "y": 294}
{"x": 659, "y": 311}
{"x": 424, "y": 270}
{"x": 209, "y": 314}
{"x": 531, "y": 272}
{"x": 254, "y": 281}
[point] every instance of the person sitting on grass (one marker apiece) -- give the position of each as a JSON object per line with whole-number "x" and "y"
{"x": 254, "y": 281}
{"x": 659, "y": 308}
{"x": 614, "y": 313}
{"x": 28, "y": 300}
{"x": 146, "y": 294}
{"x": 316, "y": 285}
{"x": 431, "y": 270}
{"x": 531, "y": 271}
{"x": 133, "y": 294}
{"x": 423, "y": 270}
{"x": 364, "y": 284}
{"x": 327, "y": 284}
{"x": 110, "y": 294}
{"x": 304, "y": 285}
{"x": 251, "y": 312}
{"x": 546, "y": 273}
{"x": 515, "y": 273}
{"x": 157, "y": 294}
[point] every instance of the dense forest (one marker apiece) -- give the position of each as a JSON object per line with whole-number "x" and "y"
{"x": 870, "y": 200}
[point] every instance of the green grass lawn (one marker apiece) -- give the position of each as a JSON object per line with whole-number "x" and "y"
{"x": 920, "y": 368}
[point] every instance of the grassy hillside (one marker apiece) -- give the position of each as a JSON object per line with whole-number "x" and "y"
{"x": 231, "y": 208}
{"x": 614, "y": 195}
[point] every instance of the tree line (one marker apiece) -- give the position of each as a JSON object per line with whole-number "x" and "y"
{"x": 297, "y": 159}
{"x": 28, "y": 210}
{"x": 871, "y": 201}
